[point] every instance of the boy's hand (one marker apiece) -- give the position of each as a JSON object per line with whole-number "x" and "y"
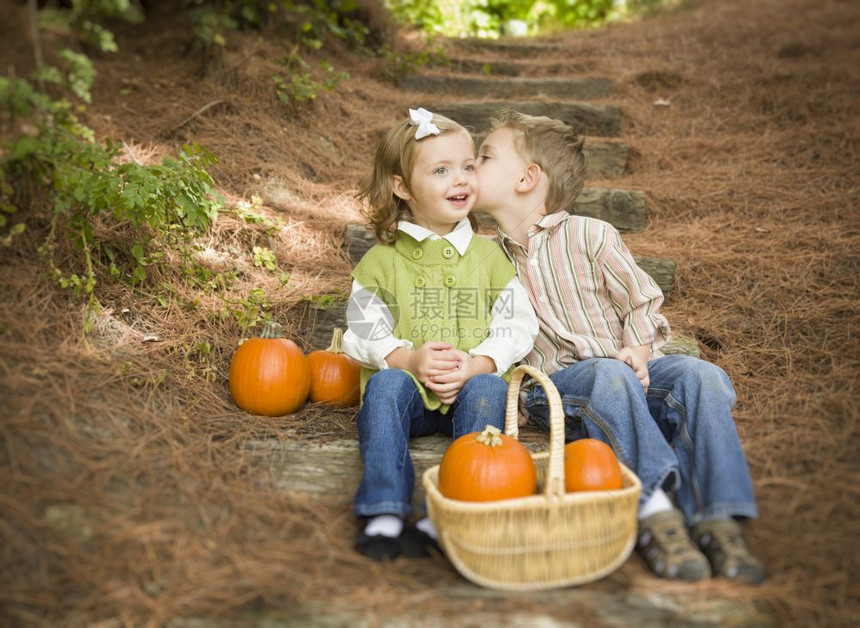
{"x": 637, "y": 359}
{"x": 448, "y": 385}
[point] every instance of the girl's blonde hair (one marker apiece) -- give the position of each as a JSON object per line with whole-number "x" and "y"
{"x": 395, "y": 156}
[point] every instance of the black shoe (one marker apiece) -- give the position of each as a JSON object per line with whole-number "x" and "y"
{"x": 417, "y": 544}
{"x": 377, "y": 547}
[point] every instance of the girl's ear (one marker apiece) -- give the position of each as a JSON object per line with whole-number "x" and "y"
{"x": 529, "y": 178}
{"x": 400, "y": 189}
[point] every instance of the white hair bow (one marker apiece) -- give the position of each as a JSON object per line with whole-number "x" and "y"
{"x": 423, "y": 119}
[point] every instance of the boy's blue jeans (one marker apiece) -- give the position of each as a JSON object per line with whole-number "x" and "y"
{"x": 393, "y": 412}
{"x": 680, "y": 436}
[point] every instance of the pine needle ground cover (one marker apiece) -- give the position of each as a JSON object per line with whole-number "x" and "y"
{"x": 129, "y": 493}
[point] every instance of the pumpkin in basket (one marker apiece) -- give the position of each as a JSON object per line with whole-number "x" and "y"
{"x": 269, "y": 375}
{"x": 487, "y": 466}
{"x": 590, "y": 465}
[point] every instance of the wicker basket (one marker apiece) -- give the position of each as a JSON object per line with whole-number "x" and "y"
{"x": 551, "y": 539}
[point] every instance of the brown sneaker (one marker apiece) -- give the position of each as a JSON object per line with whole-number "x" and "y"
{"x": 723, "y": 544}
{"x": 667, "y": 549}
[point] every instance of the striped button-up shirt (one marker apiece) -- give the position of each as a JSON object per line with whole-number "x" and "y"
{"x": 590, "y": 296}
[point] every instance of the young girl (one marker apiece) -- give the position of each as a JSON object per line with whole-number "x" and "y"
{"x": 436, "y": 317}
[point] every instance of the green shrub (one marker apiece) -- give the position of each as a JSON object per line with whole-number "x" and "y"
{"x": 83, "y": 183}
{"x": 300, "y": 82}
{"x": 486, "y": 18}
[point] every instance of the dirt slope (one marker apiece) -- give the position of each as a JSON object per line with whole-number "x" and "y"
{"x": 127, "y": 491}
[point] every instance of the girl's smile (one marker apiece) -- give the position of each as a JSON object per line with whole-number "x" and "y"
{"x": 443, "y": 186}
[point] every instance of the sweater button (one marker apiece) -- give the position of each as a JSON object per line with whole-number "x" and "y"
{"x": 419, "y": 282}
{"x": 448, "y": 252}
{"x": 449, "y": 281}
{"x": 417, "y": 253}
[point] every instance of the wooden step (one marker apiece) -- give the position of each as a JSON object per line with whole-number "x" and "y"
{"x": 586, "y": 88}
{"x": 506, "y": 67}
{"x": 332, "y": 470}
{"x": 509, "y": 46}
{"x": 641, "y": 603}
{"x": 681, "y": 342}
{"x": 488, "y": 67}
{"x": 623, "y": 209}
{"x": 586, "y": 118}
{"x": 607, "y": 158}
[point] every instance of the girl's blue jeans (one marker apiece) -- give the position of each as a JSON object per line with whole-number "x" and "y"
{"x": 680, "y": 436}
{"x": 393, "y": 412}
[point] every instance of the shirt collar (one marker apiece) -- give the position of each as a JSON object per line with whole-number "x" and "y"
{"x": 460, "y": 236}
{"x": 546, "y": 222}
{"x": 549, "y": 221}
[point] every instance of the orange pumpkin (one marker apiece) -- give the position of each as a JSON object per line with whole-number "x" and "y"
{"x": 591, "y": 465}
{"x": 486, "y": 466}
{"x": 335, "y": 377}
{"x": 269, "y": 375}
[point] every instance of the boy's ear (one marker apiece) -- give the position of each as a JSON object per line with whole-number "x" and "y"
{"x": 529, "y": 178}
{"x": 400, "y": 189}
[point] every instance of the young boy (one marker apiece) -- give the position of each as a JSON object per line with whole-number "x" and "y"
{"x": 668, "y": 418}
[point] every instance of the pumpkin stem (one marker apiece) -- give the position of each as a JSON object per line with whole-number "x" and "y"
{"x": 271, "y": 329}
{"x": 336, "y": 341}
{"x": 490, "y": 436}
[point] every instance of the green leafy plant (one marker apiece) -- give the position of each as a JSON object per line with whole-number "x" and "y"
{"x": 323, "y": 301}
{"x": 247, "y": 308}
{"x": 429, "y": 17}
{"x": 84, "y": 19}
{"x": 83, "y": 183}
{"x": 248, "y": 210}
{"x": 399, "y": 63}
{"x": 309, "y": 22}
{"x": 250, "y": 310}
{"x": 487, "y": 18}
{"x": 108, "y": 214}
{"x": 198, "y": 362}
{"x": 301, "y": 84}
{"x": 211, "y": 26}
{"x": 264, "y": 257}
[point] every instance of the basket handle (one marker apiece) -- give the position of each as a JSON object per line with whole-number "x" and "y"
{"x": 555, "y": 471}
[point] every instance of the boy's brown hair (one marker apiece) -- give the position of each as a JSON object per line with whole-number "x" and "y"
{"x": 554, "y": 146}
{"x": 395, "y": 156}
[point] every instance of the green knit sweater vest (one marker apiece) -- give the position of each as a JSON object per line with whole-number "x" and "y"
{"x": 434, "y": 293}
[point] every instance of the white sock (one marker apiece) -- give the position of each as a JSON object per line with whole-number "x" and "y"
{"x": 426, "y": 526}
{"x": 384, "y": 525}
{"x": 658, "y": 502}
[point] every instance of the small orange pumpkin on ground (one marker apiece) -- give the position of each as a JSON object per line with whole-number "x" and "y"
{"x": 591, "y": 465}
{"x": 335, "y": 377}
{"x": 486, "y": 466}
{"x": 269, "y": 374}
